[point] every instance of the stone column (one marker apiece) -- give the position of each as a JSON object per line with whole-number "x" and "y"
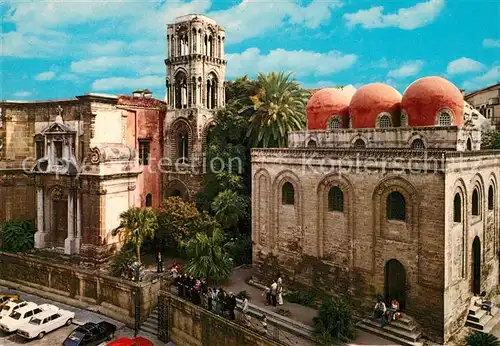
{"x": 69, "y": 241}
{"x": 78, "y": 239}
{"x": 41, "y": 234}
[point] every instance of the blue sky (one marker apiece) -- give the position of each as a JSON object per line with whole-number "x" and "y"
{"x": 61, "y": 49}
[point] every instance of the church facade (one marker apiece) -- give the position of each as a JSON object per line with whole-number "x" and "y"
{"x": 75, "y": 165}
{"x": 384, "y": 195}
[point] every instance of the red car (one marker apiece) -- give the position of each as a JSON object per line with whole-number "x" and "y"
{"x": 138, "y": 341}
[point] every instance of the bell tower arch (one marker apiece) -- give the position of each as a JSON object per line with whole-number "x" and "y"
{"x": 195, "y": 73}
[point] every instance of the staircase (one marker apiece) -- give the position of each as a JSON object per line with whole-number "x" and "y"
{"x": 151, "y": 324}
{"x": 478, "y": 319}
{"x": 402, "y": 331}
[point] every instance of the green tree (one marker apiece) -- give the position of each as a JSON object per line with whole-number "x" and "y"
{"x": 137, "y": 224}
{"x": 279, "y": 107}
{"x": 491, "y": 140}
{"x": 334, "y": 321}
{"x": 207, "y": 257}
{"x": 482, "y": 339}
{"x": 230, "y": 208}
{"x": 179, "y": 220}
{"x": 18, "y": 235}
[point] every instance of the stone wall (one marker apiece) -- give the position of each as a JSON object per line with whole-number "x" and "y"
{"x": 189, "y": 325}
{"x": 88, "y": 289}
{"x": 17, "y": 196}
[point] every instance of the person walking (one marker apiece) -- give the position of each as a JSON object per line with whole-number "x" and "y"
{"x": 280, "y": 290}
{"x": 244, "y": 309}
{"x": 274, "y": 289}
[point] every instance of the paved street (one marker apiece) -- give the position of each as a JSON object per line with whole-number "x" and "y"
{"x": 57, "y": 337}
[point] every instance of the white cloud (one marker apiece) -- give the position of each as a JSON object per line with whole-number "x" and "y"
{"x": 251, "y": 19}
{"x": 491, "y": 43}
{"x": 409, "y": 18}
{"x": 22, "y": 94}
{"x": 48, "y": 44}
{"x": 490, "y": 77}
{"x": 49, "y": 75}
{"x": 142, "y": 65}
{"x": 69, "y": 77}
{"x": 319, "y": 84}
{"x": 301, "y": 62}
{"x": 129, "y": 84}
{"x": 408, "y": 69}
{"x": 464, "y": 65}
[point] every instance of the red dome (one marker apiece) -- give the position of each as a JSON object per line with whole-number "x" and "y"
{"x": 425, "y": 97}
{"x": 371, "y": 100}
{"x": 325, "y": 103}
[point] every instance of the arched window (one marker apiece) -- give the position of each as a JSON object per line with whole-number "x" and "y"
{"x": 359, "y": 143}
{"x": 334, "y": 123}
{"x": 180, "y": 95}
{"x": 457, "y": 208}
{"x": 469, "y": 144}
{"x": 385, "y": 121}
{"x": 288, "y": 194}
{"x": 490, "y": 198}
{"x": 335, "y": 199}
{"x": 311, "y": 144}
{"x": 149, "y": 200}
{"x": 396, "y": 206}
{"x": 211, "y": 91}
{"x": 418, "y": 144}
{"x": 444, "y": 119}
{"x": 182, "y": 147}
{"x": 475, "y": 202}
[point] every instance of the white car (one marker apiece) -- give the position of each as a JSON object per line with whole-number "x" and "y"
{"x": 45, "y": 322}
{"x": 11, "y": 306}
{"x": 19, "y": 316}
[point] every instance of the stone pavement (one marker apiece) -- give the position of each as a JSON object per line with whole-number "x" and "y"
{"x": 299, "y": 313}
{"x": 58, "y": 336}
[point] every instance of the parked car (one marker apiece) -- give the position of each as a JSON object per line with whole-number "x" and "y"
{"x": 11, "y": 306}
{"x": 48, "y": 320}
{"x": 138, "y": 341}
{"x": 91, "y": 334}
{"x": 6, "y": 297}
{"x": 19, "y": 316}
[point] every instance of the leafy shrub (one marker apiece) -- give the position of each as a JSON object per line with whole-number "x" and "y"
{"x": 307, "y": 298}
{"x": 18, "y": 235}
{"x": 240, "y": 249}
{"x": 482, "y": 339}
{"x": 243, "y": 294}
{"x": 334, "y": 321}
{"x": 126, "y": 256}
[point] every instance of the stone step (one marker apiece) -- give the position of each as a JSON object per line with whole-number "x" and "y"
{"x": 410, "y": 335}
{"x": 404, "y": 324}
{"x": 474, "y": 310}
{"x": 382, "y": 332}
{"x": 150, "y": 330}
{"x": 151, "y": 324}
{"x": 479, "y": 325}
{"x": 476, "y": 316}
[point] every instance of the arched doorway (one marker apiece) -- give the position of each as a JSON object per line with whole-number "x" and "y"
{"x": 476, "y": 266}
{"x": 175, "y": 193}
{"x": 395, "y": 283}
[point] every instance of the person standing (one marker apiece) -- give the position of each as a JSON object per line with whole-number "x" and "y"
{"x": 274, "y": 289}
{"x": 245, "y": 310}
{"x": 209, "y": 296}
{"x": 280, "y": 290}
{"x": 232, "y": 305}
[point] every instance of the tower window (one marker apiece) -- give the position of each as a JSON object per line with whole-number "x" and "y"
{"x": 335, "y": 199}
{"x": 182, "y": 147}
{"x": 149, "y": 200}
{"x": 490, "y": 198}
{"x": 475, "y": 202}
{"x": 418, "y": 144}
{"x": 144, "y": 152}
{"x": 457, "y": 208}
{"x": 288, "y": 194}
{"x": 396, "y": 206}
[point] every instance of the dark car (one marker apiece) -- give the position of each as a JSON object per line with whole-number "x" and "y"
{"x": 90, "y": 334}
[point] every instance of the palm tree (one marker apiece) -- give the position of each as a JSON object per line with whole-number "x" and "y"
{"x": 137, "y": 224}
{"x": 207, "y": 258}
{"x": 279, "y": 107}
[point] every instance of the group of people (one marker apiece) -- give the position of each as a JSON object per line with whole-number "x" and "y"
{"x": 198, "y": 292}
{"x": 385, "y": 314}
{"x": 482, "y": 301}
{"x": 274, "y": 292}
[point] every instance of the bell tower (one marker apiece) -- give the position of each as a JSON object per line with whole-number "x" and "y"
{"x": 194, "y": 91}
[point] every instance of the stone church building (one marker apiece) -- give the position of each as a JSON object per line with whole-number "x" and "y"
{"x": 74, "y": 165}
{"x": 383, "y": 195}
